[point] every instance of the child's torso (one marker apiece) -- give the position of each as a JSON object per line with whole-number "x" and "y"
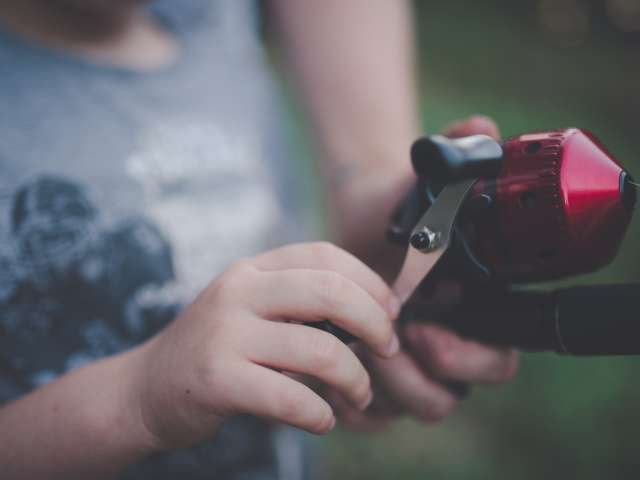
{"x": 122, "y": 194}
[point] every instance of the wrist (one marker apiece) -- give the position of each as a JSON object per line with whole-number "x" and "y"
{"x": 118, "y": 414}
{"x": 362, "y": 164}
{"x": 164, "y": 403}
{"x": 360, "y": 208}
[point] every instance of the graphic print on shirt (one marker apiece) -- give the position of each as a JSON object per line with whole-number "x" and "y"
{"x": 69, "y": 282}
{"x": 209, "y": 190}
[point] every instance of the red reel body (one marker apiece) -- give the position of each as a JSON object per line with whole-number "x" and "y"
{"x": 560, "y": 205}
{"x": 486, "y": 215}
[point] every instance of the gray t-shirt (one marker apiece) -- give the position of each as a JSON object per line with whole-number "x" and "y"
{"x": 122, "y": 194}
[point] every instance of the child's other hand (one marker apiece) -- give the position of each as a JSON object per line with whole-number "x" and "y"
{"x": 225, "y": 354}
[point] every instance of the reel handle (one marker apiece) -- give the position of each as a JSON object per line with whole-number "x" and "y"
{"x": 445, "y": 160}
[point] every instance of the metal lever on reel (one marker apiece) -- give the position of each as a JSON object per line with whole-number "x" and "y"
{"x": 458, "y": 163}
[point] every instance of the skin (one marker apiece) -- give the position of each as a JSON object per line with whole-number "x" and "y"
{"x": 363, "y": 109}
{"x": 226, "y": 354}
{"x": 115, "y": 33}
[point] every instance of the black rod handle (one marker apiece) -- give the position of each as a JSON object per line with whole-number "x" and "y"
{"x": 588, "y": 320}
{"x": 599, "y": 320}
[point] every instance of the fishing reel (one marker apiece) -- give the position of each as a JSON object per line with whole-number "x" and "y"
{"x": 492, "y": 216}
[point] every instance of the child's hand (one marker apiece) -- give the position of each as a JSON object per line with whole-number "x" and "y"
{"x": 224, "y": 355}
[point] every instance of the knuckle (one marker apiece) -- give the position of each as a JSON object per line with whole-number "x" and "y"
{"x": 234, "y": 280}
{"x": 330, "y": 287}
{"x": 325, "y": 251}
{"x": 325, "y": 350}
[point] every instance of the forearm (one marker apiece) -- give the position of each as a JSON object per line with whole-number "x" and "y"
{"x": 86, "y": 424}
{"x": 354, "y": 65}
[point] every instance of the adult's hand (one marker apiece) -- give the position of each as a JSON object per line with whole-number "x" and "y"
{"x": 414, "y": 382}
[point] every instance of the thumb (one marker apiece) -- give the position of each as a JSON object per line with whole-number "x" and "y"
{"x": 473, "y": 125}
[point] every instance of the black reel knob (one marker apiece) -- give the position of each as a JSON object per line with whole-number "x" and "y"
{"x": 447, "y": 160}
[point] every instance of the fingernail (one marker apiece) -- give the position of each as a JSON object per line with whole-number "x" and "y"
{"x": 394, "y": 345}
{"x": 367, "y": 402}
{"x": 394, "y": 306}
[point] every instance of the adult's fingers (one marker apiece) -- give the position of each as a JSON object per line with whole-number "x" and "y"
{"x": 357, "y": 420}
{"x": 326, "y": 256}
{"x": 315, "y": 295}
{"x": 300, "y": 349}
{"x": 473, "y": 125}
{"x": 269, "y": 394}
{"x": 448, "y": 357}
{"x": 407, "y": 385}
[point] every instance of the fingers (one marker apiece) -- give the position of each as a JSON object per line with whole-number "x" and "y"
{"x": 473, "y": 125}
{"x": 447, "y": 356}
{"x": 300, "y": 349}
{"x": 326, "y": 256}
{"x": 358, "y": 420}
{"x": 314, "y": 295}
{"x": 266, "y": 393}
{"x": 406, "y": 385}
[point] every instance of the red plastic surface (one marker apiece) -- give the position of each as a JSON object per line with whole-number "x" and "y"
{"x": 557, "y": 207}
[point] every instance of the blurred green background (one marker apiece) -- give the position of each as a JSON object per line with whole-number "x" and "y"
{"x": 531, "y": 65}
